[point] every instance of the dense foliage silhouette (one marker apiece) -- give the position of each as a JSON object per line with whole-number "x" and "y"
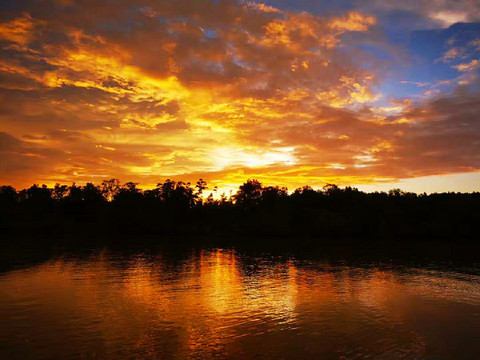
{"x": 179, "y": 208}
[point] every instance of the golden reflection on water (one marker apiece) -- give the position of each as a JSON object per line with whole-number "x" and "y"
{"x": 220, "y": 304}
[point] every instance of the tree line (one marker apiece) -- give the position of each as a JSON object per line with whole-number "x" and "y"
{"x": 182, "y": 208}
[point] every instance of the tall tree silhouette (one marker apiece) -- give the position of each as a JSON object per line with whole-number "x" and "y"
{"x": 249, "y": 194}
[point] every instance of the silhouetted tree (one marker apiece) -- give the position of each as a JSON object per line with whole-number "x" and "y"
{"x": 178, "y": 194}
{"x": 8, "y": 196}
{"x": 330, "y": 189}
{"x": 272, "y": 194}
{"x": 92, "y": 193}
{"x": 75, "y": 193}
{"x": 110, "y": 188}
{"x": 396, "y": 192}
{"x": 175, "y": 207}
{"x": 127, "y": 193}
{"x": 249, "y": 194}
{"x": 59, "y": 191}
{"x": 201, "y": 186}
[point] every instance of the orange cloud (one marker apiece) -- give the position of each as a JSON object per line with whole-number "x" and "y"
{"x": 17, "y": 31}
{"x": 354, "y": 21}
{"x": 467, "y": 67}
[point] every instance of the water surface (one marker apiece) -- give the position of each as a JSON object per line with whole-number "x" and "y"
{"x": 220, "y": 303}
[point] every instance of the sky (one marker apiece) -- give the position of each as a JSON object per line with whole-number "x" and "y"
{"x": 375, "y": 94}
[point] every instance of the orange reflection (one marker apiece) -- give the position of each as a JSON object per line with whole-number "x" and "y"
{"x": 203, "y": 305}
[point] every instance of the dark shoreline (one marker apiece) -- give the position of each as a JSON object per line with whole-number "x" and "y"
{"x": 177, "y": 214}
{"x": 22, "y": 251}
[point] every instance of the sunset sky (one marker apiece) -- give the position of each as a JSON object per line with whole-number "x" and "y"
{"x": 375, "y": 93}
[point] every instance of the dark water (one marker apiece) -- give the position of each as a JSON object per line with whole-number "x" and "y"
{"x": 224, "y": 304}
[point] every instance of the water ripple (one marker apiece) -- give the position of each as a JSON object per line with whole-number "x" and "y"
{"x": 219, "y": 304}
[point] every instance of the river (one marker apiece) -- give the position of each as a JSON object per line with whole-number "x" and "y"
{"x": 228, "y": 304}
